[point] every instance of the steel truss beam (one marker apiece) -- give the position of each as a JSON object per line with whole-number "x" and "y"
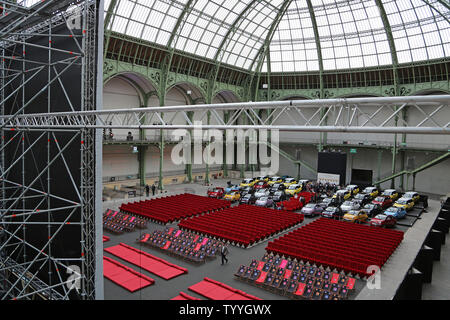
{"x": 355, "y": 115}
{"x": 30, "y": 158}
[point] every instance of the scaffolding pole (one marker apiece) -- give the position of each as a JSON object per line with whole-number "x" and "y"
{"x": 34, "y": 71}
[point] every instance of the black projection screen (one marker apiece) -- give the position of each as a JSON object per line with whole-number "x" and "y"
{"x": 333, "y": 163}
{"x": 362, "y": 177}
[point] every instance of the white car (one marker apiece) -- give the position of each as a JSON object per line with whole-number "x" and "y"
{"x": 411, "y": 195}
{"x": 261, "y": 193}
{"x": 349, "y": 206}
{"x": 372, "y": 191}
{"x": 303, "y": 181}
{"x": 353, "y": 188}
{"x": 289, "y": 181}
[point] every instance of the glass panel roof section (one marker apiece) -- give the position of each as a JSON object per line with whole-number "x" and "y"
{"x": 293, "y": 47}
{"x": 352, "y": 36}
{"x": 351, "y": 32}
{"x": 420, "y": 32}
{"x": 204, "y": 30}
{"x": 148, "y": 20}
{"x": 237, "y": 27}
{"x": 250, "y": 34}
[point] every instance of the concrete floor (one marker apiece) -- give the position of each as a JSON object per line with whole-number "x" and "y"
{"x": 165, "y": 290}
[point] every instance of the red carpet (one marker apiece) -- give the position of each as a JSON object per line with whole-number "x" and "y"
{"x": 215, "y": 290}
{"x": 146, "y": 261}
{"x": 124, "y": 276}
{"x": 184, "y": 296}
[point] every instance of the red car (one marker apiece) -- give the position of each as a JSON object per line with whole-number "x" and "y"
{"x": 261, "y": 185}
{"x": 384, "y": 202}
{"x": 383, "y": 220}
{"x": 216, "y": 193}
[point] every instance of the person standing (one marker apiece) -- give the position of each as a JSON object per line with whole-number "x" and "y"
{"x": 153, "y": 189}
{"x": 147, "y": 190}
{"x": 224, "y": 253}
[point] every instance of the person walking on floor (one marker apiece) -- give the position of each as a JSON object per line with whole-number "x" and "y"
{"x": 147, "y": 190}
{"x": 224, "y": 253}
{"x": 153, "y": 189}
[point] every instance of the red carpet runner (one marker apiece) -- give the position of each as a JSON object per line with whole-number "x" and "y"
{"x": 146, "y": 261}
{"x": 124, "y": 276}
{"x": 215, "y": 290}
{"x": 184, "y": 296}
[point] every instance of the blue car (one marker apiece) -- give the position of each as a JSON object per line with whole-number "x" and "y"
{"x": 397, "y": 213}
{"x": 234, "y": 188}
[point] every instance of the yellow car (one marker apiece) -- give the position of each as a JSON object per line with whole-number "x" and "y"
{"x": 289, "y": 181}
{"x": 293, "y": 189}
{"x": 356, "y": 216}
{"x": 232, "y": 196}
{"x": 248, "y": 183}
{"x": 262, "y": 178}
{"x": 414, "y": 196}
{"x": 371, "y": 191}
{"x": 391, "y": 193}
{"x": 353, "y": 188}
{"x": 274, "y": 180}
{"x": 404, "y": 203}
{"x": 346, "y": 193}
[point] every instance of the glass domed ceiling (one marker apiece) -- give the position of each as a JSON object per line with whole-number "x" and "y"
{"x": 351, "y": 34}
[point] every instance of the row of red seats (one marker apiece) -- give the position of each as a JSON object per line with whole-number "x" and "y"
{"x": 353, "y": 234}
{"x": 359, "y": 255}
{"x": 165, "y": 214}
{"x": 367, "y": 230}
{"x": 324, "y": 260}
{"x": 199, "y": 203}
{"x": 243, "y": 224}
{"x": 369, "y": 249}
{"x": 258, "y": 217}
{"x": 261, "y": 214}
{"x": 192, "y": 205}
{"x": 341, "y": 245}
{"x": 239, "y": 234}
{"x": 173, "y": 208}
{"x": 337, "y": 245}
{"x": 369, "y": 242}
{"x": 231, "y": 217}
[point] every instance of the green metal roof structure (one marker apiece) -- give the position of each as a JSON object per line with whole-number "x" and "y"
{"x": 261, "y": 50}
{"x": 298, "y": 36}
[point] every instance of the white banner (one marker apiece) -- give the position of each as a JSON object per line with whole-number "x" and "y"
{"x": 328, "y": 177}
